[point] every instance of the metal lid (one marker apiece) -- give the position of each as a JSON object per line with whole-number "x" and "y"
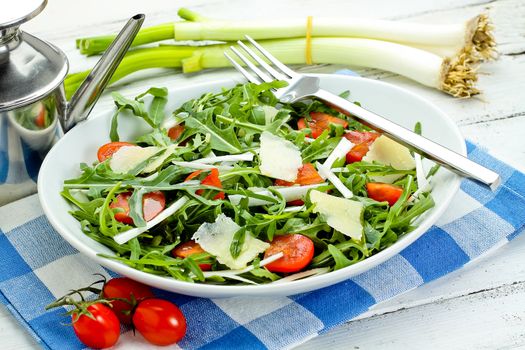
{"x": 30, "y": 68}
{"x": 20, "y": 11}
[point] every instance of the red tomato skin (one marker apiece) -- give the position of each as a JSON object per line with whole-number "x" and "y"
{"x": 319, "y": 123}
{"x": 175, "y": 132}
{"x": 107, "y": 150}
{"x": 189, "y": 248}
{"x": 298, "y": 252}
{"x": 306, "y": 175}
{"x": 152, "y": 204}
{"x": 125, "y": 288}
{"x": 210, "y": 180}
{"x": 159, "y": 321}
{"x": 358, "y": 137}
{"x": 382, "y": 192}
{"x": 101, "y": 332}
{"x": 357, "y": 153}
{"x": 40, "y": 119}
{"x": 122, "y": 202}
{"x": 362, "y": 141}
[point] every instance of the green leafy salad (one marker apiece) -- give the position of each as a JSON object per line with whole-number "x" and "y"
{"x": 237, "y": 188}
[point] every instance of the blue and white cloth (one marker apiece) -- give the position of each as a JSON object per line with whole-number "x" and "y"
{"x": 37, "y": 266}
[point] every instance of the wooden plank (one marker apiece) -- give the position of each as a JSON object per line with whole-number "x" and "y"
{"x": 495, "y": 119}
{"x": 489, "y": 319}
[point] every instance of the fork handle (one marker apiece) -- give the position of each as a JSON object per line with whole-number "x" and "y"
{"x": 429, "y": 149}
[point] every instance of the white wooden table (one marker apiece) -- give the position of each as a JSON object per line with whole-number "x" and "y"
{"x": 481, "y": 306}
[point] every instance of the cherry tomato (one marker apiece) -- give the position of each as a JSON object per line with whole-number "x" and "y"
{"x": 175, "y": 132}
{"x": 320, "y": 122}
{"x": 362, "y": 141}
{"x": 357, "y": 153}
{"x": 159, "y": 321}
{"x": 107, "y": 150}
{"x": 298, "y": 251}
{"x": 40, "y": 119}
{"x": 382, "y": 192}
{"x": 306, "y": 175}
{"x": 211, "y": 180}
{"x": 187, "y": 249}
{"x": 101, "y": 331}
{"x": 152, "y": 204}
{"x": 125, "y": 288}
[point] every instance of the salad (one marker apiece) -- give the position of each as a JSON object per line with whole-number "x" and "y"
{"x": 237, "y": 188}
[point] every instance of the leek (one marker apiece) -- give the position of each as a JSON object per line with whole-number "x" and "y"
{"x": 473, "y": 36}
{"x": 455, "y": 76}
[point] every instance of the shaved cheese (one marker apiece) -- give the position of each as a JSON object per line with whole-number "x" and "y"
{"x": 269, "y": 113}
{"x": 386, "y": 151}
{"x": 344, "y": 215}
{"x": 216, "y": 238}
{"x": 280, "y": 158}
{"x": 328, "y": 174}
{"x": 343, "y": 147}
{"x": 303, "y": 274}
{"x": 290, "y": 193}
{"x": 160, "y": 159}
{"x": 129, "y": 157}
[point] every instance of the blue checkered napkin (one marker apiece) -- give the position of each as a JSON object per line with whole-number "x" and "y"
{"x": 37, "y": 265}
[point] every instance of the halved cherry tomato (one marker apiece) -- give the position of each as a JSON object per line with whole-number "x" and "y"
{"x": 357, "y": 153}
{"x": 175, "y": 132}
{"x": 125, "y": 288}
{"x": 40, "y": 119}
{"x": 298, "y": 251}
{"x": 320, "y": 122}
{"x": 152, "y": 204}
{"x": 306, "y": 175}
{"x": 211, "y": 180}
{"x": 159, "y": 321}
{"x": 101, "y": 331}
{"x": 107, "y": 150}
{"x": 362, "y": 141}
{"x": 187, "y": 249}
{"x": 382, "y": 192}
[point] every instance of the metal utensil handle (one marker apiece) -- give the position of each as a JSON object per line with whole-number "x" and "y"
{"x": 88, "y": 93}
{"x": 429, "y": 149}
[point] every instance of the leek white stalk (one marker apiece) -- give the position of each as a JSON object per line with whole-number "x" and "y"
{"x": 233, "y": 274}
{"x": 290, "y": 193}
{"x": 455, "y": 76}
{"x": 475, "y": 33}
{"x": 303, "y": 274}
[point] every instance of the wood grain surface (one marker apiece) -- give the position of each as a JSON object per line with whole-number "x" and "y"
{"x": 481, "y": 306}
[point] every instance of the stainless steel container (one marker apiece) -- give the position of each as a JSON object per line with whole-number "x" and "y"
{"x": 34, "y": 111}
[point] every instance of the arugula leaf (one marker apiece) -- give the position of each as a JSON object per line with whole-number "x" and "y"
{"x": 340, "y": 259}
{"x": 238, "y": 242}
{"x": 221, "y": 139}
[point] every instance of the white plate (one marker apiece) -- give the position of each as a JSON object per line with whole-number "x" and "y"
{"x": 81, "y": 144}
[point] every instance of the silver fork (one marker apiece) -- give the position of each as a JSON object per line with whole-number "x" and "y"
{"x": 302, "y": 86}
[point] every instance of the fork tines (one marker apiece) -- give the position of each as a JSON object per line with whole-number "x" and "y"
{"x": 263, "y": 72}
